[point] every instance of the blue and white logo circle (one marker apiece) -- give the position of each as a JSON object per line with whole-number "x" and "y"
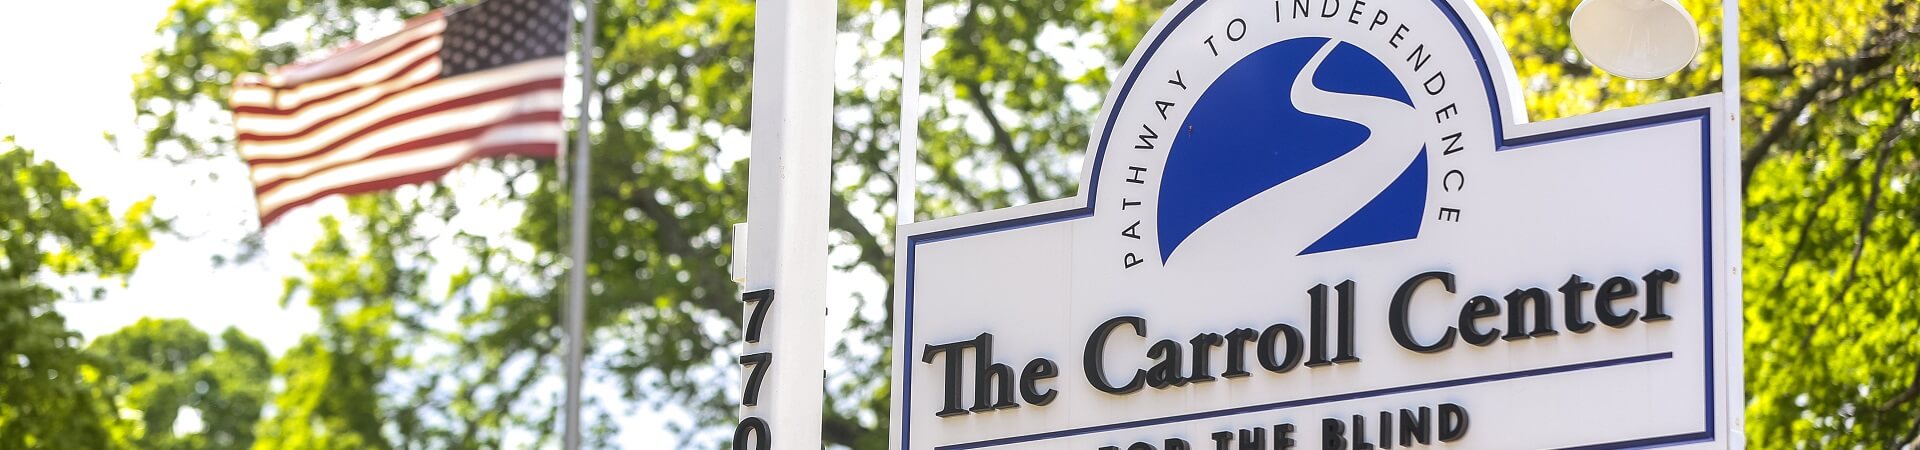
{"x": 1280, "y": 119}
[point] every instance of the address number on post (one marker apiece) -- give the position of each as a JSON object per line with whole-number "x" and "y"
{"x": 754, "y": 429}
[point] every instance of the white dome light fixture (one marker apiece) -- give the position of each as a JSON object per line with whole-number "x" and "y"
{"x": 1638, "y": 39}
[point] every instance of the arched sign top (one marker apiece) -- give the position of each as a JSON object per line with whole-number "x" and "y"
{"x": 1300, "y": 220}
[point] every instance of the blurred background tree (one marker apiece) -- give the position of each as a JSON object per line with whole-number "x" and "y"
{"x": 48, "y": 396}
{"x": 404, "y": 358}
{"x": 192, "y": 392}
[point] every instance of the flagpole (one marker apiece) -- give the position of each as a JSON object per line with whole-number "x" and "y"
{"x": 577, "y": 247}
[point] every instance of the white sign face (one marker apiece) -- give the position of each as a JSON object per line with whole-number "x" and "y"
{"x": 1327, "y": 224}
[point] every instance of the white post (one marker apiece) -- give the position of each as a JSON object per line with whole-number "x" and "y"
{"x": 576, "y": 308}
{"x": 787, "y": 205}
{"x": 1730, "y": 89}
{"x": 911, "y": 25}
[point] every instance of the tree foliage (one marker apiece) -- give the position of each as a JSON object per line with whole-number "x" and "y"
{"x": 164, "y": 368}
{"x": 48, "y": 398}
{"x": 1011, "y": 86}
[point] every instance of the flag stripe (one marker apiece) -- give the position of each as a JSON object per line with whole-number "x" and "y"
{"x": 535, "y": 139}
{"x": 269, "y": 178}
{"x": 473, "y": 81}
{"x": 347, "y": 59}
{"x": 413, "y": 103}
{"x": 436, "y": 120}
{"x": 285, "y": 97}
{"x": 535, "y": 150}
{"x": 413, "y": 72}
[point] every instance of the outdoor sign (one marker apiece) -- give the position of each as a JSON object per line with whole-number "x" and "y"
{"x": 1328, "y": 224}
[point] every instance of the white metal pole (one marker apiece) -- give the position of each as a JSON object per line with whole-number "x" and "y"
{"x": 576, "y": 315}
{"x": 787, "y": 192}
{"x": 910, "y": 32}
{"x": 1730, "y": 90}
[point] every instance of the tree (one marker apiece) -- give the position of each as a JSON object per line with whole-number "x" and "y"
{"x": 1829, "y": 154}
{"x": 47, "y": 395}
{"x": 166, "y": 367}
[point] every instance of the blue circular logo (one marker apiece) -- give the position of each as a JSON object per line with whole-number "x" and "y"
{"x": 1266, "y": 122}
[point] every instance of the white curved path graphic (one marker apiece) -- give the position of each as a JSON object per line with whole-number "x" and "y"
{"x": 1322, "y": 198}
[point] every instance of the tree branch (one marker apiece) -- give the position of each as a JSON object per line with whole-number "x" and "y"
{"x": 1870, "y": 208}
{"x": 674, "y": 240}
{"x": 872, "y": 253}
{"x": 1754, "y": 154}
{"x": 1875, "y": 55}
{"x": 841, "y": 430}
{"x": 1912, "y": 392}
{"x": 1806, "y": 227}
{"x": 1003, "y": 141}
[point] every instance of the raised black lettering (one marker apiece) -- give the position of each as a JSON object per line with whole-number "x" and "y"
{"x": 1571, "y": 293}
{"x": 951, "y": 374}
{"x": 1343, "y": 345}
{"x": 754, "y": 430}
{"x": 1203, "y": 345}
{"x": 1657, "y": 295}
{"x": 1165, "y": 372}
{"x": 1478, "y": 307}
{"x": 1453, "y": 422}
{"x": 1317, "y": 328}
{"x": 1237, "y": 352}
{"x": 990, "y": 378}
{"x": 1613, "y": 289}
{"x": 1333, "y": 434}
{"x": 1416, "y": 428}
{"x": 1397, "y": 314}
{"x": 1270, "y": 338}
{"x": 1253, "y": 439}
{"x": 1094, "y": 360}
{"x": 1517, "y": 305}
{"x": 1036, "y": 370}
{"x": 1360, "y": 433}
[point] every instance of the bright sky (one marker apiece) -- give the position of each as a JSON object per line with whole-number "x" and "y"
{"x": 62, "y": 98}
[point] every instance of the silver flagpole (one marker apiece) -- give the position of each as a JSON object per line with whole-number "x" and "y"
{"x": 577, "y": 249}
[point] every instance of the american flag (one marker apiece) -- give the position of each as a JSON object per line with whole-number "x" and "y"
{"x": 453, "y": 85}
